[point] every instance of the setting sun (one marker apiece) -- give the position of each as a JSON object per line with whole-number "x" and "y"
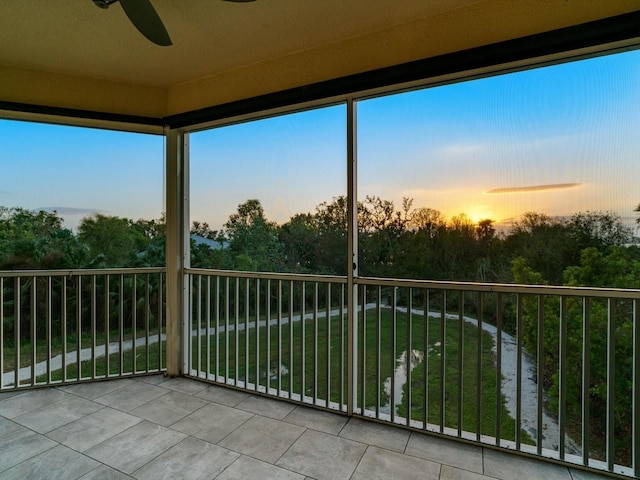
{"x": 480, "y": 212}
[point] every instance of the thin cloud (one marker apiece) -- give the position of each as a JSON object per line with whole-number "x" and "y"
{"x": 534, "y": 188}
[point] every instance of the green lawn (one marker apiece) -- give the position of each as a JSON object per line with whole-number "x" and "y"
{"x": 325, "y": 362}
{"x": 144, "y": 360}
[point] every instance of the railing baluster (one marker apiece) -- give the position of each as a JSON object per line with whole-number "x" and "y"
{"x": 303, "y": 344}
{"x": 409, "y": 354}
{"x": 363, "y": 350}
{"x": 635, "y": 426}
{"x": 586, "y": 376}
{"x": 34, "y": 326}
{"x": 147, "y": 310}
{"x": 425, "y": 402}
{"x": 279, "y": 357}
{"x": 290, "y": 376}
{"x": 540, "y": 372}
{"x": 460, "y": 359}
{"x": 343, "y": 406}
{"x": 246, "y": 332}
{"x": 268, "y": 324}
{"x": 1, "y": 333}
{"x": 217, "y": 344}
{"x": 518, "y": 371}
{"x": 106, "y": 326}
{"x": 443, "y": 313}
{"x": 160, "y": 318}
{"x": 499, "y": 312}
{"x": 94, "y": 324}
{"x": 16, "y": 322}
{"x": 198, "y": 321}
{"x": 121, "y": 325}
{"x": 378, "y": 348}
{"x": 394, "y": 353}
{"x": 208, "y": 329}
{"x": 235, "y": 331}
{"x": 257, "y": 329}
{"x": 64, "y": 329}
{"x": 479, "y": 367}
{"x": 227, "y": 312}
{"x": 315, "y": 343}
{"x": 134, "y": 321}
{"x": 562, "y": 367}
{"x": 49, "y": 328}
{"x": 79, "y": 328}
{"x": 328, "y": 347}
{"x": 611, "y": 382}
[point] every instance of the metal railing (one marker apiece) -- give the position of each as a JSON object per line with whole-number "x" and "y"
{"x": 278, "y": 334}
{"x": 64, "y": 326}
{"x": 548, "y": 371}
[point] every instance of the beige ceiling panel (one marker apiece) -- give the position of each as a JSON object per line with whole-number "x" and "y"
{"x": 474, "y": 25}
{"x": 67, "y": 91}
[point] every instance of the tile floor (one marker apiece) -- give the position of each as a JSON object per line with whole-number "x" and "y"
{"x": 156, "y": 428}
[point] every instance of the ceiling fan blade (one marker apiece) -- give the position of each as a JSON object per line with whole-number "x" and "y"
{"x": 145, "y": 18}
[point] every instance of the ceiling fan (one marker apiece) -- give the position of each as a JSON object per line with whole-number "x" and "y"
{"x": 145, "y": 18}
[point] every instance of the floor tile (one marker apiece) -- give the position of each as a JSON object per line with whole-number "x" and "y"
{"x": 60, "y": 413}
{"x": 452, "y": 473}
{"x": 152, "y": 379}
{"x": 266, "y": 407}
{"x": 263, "y": 438}
{"x": 212, "y": 422}
{"x": 135, "y": 447}
{"x": 316, "y": 419}
{"x": 93, "y": 429}
{"x": 21, "y": 445}
{"x": 385, "y": 436}
{"x": 7, "y": 426}
{"x": 93, "y": 390}
{"x": 131, "y": 396}
{"x": 191, "y": 459}
{"x": 57, "y": 463}
{"x": 506, "y": 466}
{"x": 323, "y": 456}
{"x": 247, "y": 468}
{"x": 184, "y": 385}
{"x": 105, "y": 473}
{"x": 222, "y": 395}
{"x": 447, "y": 452}
{"x": 168, "y": 408}
{"x": 380, "y": 464}
{"x": 28, "y": 401}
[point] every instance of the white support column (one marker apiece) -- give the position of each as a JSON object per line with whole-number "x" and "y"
{"x": 352, "y": 255}
{"x": 177, "y": 248}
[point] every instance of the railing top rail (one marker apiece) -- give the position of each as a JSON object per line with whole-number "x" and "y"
{"x": 504, "y": 288}
{"x": 74, "y": 272}
{"x": 508, "y": 288}
{"x": 302, "y": 277}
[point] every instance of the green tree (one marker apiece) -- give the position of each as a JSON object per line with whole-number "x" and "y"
{"x": 253, "y": 240}
{"x": 112, "y": 241}
{"x": 37, "y": 240}
{"x": 300, "y": 240}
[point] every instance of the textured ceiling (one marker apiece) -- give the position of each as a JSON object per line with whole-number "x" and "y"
{"x": 69, "y": 53}
{"x": 209, "y": 36}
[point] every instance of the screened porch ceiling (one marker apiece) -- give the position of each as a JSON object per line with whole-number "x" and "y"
{"x": 71, "y": 54}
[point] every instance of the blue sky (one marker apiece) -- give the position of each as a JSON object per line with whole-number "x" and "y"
{"x": 572, "y": 126}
